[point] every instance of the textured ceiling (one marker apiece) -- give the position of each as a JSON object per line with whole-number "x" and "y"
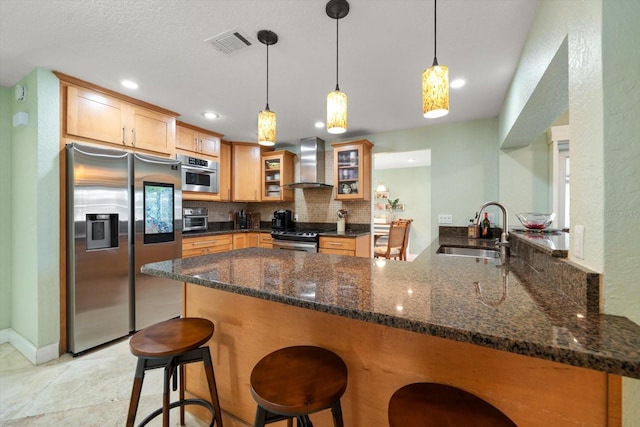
{"x": 384, "y": 47}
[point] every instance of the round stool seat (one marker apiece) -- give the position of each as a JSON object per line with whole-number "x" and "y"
{"x": 171, "y": 337}
{"x": 298, "y": 380}
{"x": 430, "y": 404}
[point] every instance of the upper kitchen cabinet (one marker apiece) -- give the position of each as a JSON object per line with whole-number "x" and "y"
{"x": 276, "y": 171}
{"x": 195, "y": 140}
{"x": 224, "y": 172}
{"x": 245, "y": 158}
{"x": 352, "y": 170}
{"x": 100, "y": 115}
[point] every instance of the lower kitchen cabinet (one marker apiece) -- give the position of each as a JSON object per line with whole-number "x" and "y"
{"x": 202, "y": 245}
{"x": 351, "y": 246}
{"x": 265, "y": 241}
{"x": 245, "y": 240}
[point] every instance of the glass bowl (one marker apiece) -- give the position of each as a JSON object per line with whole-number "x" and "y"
{"x": 536, "y": 221}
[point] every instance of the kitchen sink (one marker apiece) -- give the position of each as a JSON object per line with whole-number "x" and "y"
{"x": 468, "y": 252}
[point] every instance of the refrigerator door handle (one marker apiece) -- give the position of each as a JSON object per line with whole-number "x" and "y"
{"x": 158, "y": 160}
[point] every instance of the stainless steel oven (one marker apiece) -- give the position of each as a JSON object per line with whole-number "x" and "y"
{"x": 195, "y": 219}
{"x": 295, "y": 240}
{"x": 199, "y": 175}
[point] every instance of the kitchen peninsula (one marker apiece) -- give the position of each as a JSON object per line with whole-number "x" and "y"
{"x": 478, "y": 324}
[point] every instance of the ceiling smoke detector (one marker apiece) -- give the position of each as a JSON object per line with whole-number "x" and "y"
{"x": 230, "y": 41}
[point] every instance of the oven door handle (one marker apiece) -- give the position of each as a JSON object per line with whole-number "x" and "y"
{"x": 198, "y": 169}
{"x": 294, "y": 246}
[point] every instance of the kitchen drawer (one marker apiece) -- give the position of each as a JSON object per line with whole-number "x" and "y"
{"x": 265, "y": 241}
{"x": 352, "y": 246}
{"x": 337, "y": 243}
{"x": 336, "y": 251}
{"x": 193, "y": 246}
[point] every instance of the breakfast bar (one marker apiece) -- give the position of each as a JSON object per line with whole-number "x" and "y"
{"x": 485, "y": 325}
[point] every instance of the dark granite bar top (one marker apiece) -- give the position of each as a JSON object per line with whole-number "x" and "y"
{"x": 487, "y": 302}
{"x": 554, "y": 243}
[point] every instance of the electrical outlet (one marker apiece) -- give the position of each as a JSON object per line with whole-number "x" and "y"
{"x": 492, "y": 218}
{"x": 445, "y": 219}
{"x": 578, "y": 241}
{"x": 295, "y": 217}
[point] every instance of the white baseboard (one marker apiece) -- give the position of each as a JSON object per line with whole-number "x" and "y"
{"x": 35, "y": 355}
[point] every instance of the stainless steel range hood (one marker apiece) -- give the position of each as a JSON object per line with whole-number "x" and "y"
{"x": 311, "y": 165}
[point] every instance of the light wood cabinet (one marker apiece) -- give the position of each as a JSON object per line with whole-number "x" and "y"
{"x": 245, "y": 159}
{"x": 99, "y": 117}
{"x": 350, "y": 246}
{"x": 195, "y": 140}
{"x": 202, "y": 245}
{"x": 352, "y": 170}
{"x": 245, "y": 240}
{"x": 276, "y": 171}
{"x": 265, "y": 241}
{"x": 224, "y": 172}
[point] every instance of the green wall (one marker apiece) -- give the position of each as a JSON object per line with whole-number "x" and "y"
{"x": 33, "y": 237}
{"x": 464, "y": 166}
{"x": 6, "y": 94}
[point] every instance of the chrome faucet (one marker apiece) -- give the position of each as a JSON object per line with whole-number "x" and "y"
{"x": 503, "y": 243}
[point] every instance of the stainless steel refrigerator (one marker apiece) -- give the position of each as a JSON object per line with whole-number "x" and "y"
{"x": 123, "y": 210}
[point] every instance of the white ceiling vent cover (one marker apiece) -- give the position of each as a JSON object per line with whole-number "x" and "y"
{"x": 230, "y": 41}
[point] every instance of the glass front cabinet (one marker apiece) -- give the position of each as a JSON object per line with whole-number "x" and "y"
{"x": 352, "y": 170}
{"x": 277, "y": 171}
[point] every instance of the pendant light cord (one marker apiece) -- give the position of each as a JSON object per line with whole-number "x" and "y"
{"x": 267, "y": 108}
{"x": 337, "y": 46}
{"x": 435, "y": 33}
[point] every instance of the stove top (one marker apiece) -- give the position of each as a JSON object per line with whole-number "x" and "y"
{"x": 296, "y": 236}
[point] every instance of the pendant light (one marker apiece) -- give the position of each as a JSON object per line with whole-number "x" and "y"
{"x": 337, "y": 100}
{"x": 435, "y": 82}
{"x": 266, "y": 117}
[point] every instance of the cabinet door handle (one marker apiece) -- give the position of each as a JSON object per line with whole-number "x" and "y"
{"x": 195, "y": 143}
{"x": 133, "y": 137}
{"x": 123, "y": 136}
{"x": 335, "y": 243}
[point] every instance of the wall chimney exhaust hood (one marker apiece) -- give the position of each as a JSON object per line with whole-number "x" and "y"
{"x": 311, "y": 164}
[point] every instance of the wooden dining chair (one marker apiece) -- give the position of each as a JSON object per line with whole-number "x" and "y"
{"x": 395, "y": 246}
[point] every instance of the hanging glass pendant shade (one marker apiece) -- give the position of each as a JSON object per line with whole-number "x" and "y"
{"x": 266, "y": 127}
{"x": 435, "y": 81}
{"x": 337, "y": 112}
{"x": 337, "y": 100}
{"x": 266, "y": 117}
{"x": 435, "y": 91}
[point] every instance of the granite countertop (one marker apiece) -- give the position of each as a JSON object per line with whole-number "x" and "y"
{"x": 551, "y": 242}
{"x": 484, "y": 302}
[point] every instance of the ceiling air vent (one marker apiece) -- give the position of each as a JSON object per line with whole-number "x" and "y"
{"x": 230, "y": 41}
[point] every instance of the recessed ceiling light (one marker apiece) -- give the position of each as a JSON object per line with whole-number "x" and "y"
{"x": 457, "y": 83}
{"x": 319, "y": 125}
{"x": 210, "y": 115}
{"x": 411, "y": 160}
{"x": 129, "y": 84}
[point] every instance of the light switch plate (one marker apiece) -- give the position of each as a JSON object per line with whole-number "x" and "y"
{"x": 445, "y": 219}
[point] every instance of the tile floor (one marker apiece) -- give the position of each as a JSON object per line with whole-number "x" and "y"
{"x": 89, "y": 390}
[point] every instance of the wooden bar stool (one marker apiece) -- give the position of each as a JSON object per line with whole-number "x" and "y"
{"x": 294, "y": 382}
{"x": 430, "y": 404}
{"x": 169, "y": 345}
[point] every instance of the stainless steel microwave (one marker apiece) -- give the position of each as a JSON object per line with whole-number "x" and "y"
{"x": 199, "y": 175}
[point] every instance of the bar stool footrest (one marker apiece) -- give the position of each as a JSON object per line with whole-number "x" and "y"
{"x": 177, "y": 403}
